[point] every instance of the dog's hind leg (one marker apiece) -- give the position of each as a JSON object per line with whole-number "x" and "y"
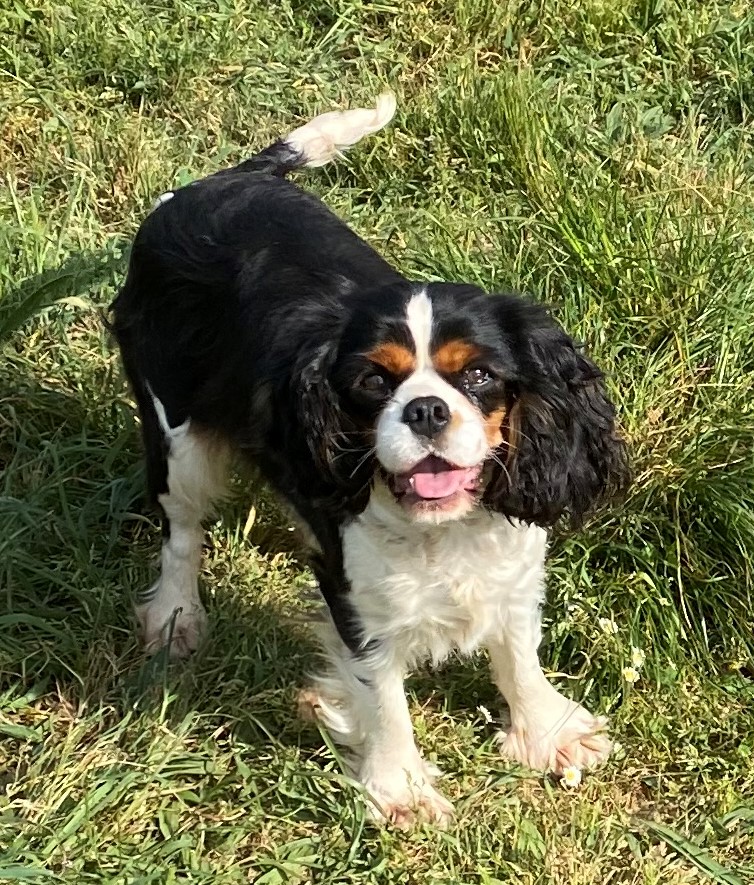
{"x": 186, "y": 468}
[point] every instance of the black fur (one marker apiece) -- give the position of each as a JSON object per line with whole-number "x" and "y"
{"x": 248, "y": 308}
{"x": 565, "y": 455}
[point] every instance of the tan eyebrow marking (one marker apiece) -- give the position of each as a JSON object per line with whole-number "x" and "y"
{"x": 396, "y": 358}
{"x": 453, "y": 356}
{"x": 493, "y": 426}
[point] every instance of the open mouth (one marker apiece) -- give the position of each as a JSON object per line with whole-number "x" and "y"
{"x": 434, "y": 479}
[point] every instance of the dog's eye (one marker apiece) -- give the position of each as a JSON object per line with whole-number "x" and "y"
{"x": 374, "y": 383}
{"x": 476, "y": 378}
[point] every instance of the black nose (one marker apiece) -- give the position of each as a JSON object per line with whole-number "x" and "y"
{"x": 427, "y": 416}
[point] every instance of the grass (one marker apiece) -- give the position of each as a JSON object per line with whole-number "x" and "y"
{"x": 596, "y": 154}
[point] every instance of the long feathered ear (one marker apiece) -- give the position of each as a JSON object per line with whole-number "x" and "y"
{"x": 564, "y": 455}
{"x": 340, "y": 450}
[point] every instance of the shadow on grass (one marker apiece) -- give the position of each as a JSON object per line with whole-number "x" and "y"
{"x": 76, "y": 276}
{"x": 78, "y": 540}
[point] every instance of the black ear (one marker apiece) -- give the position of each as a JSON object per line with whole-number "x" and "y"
{"x": 338, "y": 451}
{"x": 563, "y": 454}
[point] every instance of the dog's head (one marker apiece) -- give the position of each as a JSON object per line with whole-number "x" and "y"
{"x": 457, "y": 400}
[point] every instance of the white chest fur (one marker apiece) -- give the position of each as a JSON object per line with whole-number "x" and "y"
{"x": 423, "y": 591}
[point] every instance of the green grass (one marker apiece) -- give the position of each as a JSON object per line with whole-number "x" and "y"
{"x": 596, "y": 154}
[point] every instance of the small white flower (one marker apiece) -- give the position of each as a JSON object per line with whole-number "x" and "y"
{"x": 638, "y": 657}
{"x": 608, "y": 625}
{"x": 631, "y": 674}
{"x": 110, "y": 94}
{"x": 663, "y": 601}
{"x": 486, "y": 715}
{"x": 571, "y": 776}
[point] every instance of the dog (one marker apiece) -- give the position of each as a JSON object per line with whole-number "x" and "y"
{"x": 427, "y": 435}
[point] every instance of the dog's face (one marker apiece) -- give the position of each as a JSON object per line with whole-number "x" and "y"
{"x": 457, "y": 399}
{"x": 431, "y": 381}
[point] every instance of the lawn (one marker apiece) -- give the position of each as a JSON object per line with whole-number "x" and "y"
{"x": 596, "y": 154}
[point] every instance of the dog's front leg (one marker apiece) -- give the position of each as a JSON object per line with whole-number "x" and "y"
{"x": 360, "y": 700}
{"x": 548, "y": 731}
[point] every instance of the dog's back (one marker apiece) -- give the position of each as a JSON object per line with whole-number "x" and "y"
{"x": 231, "y": 276}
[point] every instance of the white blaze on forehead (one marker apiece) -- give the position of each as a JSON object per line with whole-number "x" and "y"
{"x": 419, "y": 317}
{"x": 398, "y": 448}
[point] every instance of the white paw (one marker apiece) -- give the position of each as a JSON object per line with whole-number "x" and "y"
{"x": 573, "y": 739}
{"x": 400, "y": 792}
{"x": 405, "y": 800}
{"x": 181, "y": 626}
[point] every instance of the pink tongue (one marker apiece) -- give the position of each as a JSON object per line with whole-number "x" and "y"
{"x": 439, "y": 485}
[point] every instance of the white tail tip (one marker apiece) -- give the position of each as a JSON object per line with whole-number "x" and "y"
{"x": 325, "y": 137}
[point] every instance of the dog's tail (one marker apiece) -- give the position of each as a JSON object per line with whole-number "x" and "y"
{"x": 315, "y": 143}
{"x": 322, "y": 139}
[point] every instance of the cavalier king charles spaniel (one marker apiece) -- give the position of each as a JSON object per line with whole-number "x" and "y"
{"x": 425, "y": 434}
